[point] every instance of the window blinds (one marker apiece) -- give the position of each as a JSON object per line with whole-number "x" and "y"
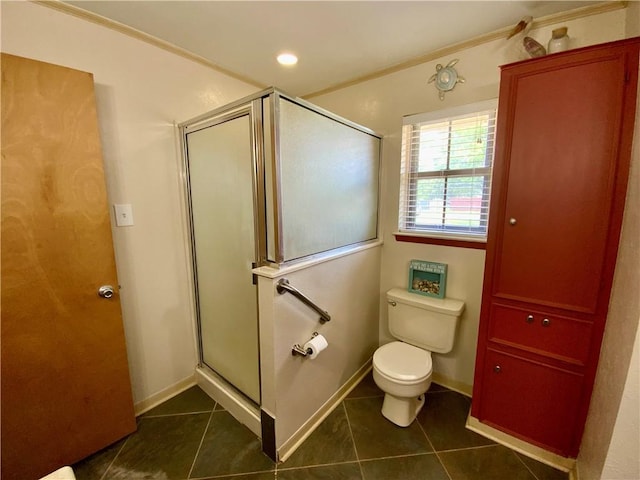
{"x": 447, "y": 159}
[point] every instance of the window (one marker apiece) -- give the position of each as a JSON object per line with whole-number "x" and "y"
{"x": 447, "y": 158}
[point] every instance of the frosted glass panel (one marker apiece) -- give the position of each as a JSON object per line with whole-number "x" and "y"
{"x": 220, "y": 174}
{"x": 329, "y": 182}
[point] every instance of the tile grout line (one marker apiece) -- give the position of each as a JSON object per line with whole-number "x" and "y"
{"x": 206, "y": 428}
{"x": 525, "y": 465}
{"x": 222, "y": 475}
{"x": 433, "y": 448}
{"x": 463, "y": 449}
{"x": 290, "y": 469}
{"x": 353, "y": 440}
{"x": 116, "y": 456}
{"x": 180, "y": 414}
{"x": 391, "y": 457}
{"x": 231, "y": 475}
{"x": 424, "y": 432}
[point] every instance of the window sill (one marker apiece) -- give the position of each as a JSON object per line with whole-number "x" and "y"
{"x": 447, "y": 242}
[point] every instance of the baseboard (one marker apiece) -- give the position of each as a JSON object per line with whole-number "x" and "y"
{"x": 451, "y": 384}
{"x": 164, "y": 395}
{"x": 561, "y": 463}
{"x": 290, "y": 446}
{"x": 232, "y": 401}
{"x": 573, "y": 473}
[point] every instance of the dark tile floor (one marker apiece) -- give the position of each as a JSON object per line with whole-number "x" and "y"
{"x": 191, "y": 437}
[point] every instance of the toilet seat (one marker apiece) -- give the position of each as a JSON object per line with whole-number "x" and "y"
{"x": 402, "y": 363}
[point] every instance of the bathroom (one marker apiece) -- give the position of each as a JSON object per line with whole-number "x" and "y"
{"x": 138, "y": 103}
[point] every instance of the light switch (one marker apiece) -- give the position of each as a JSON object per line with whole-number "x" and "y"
{"x": 124, "y": 214}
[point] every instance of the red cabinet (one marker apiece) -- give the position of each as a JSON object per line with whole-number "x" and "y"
{"x": 563, "y": 142}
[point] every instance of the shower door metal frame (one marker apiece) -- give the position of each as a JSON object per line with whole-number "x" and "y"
{"x": 264, "y": 113}
{"x": 252, "y": 109}
{"x": 272, "y": 115}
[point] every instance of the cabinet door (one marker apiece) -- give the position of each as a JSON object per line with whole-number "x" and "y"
{"x": 532, "y": 401}
{"x": 562, "y": 166}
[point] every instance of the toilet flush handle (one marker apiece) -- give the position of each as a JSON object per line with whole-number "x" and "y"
{"x": 392, "y": 303}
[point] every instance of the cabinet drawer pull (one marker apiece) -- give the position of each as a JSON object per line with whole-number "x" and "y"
{"x": 529, "y": 318}
{"x": 546, "y": 322}
{"x": 497, "y": 369}
{"x": 512, "y": 221}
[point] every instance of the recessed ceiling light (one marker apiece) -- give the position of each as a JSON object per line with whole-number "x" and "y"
{"x": 287, "y": 59}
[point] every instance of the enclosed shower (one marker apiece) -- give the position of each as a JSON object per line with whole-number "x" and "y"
{"x": 273, "y": 184}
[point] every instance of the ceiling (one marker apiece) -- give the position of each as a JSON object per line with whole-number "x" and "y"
{"x": 335, "y": 41}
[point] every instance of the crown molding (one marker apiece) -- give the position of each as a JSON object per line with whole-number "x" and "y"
{"x": 145, "y": 37}
{"x": 577, "y": 13}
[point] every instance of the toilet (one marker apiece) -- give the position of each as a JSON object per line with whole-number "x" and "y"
{"x": 402, "y": 369}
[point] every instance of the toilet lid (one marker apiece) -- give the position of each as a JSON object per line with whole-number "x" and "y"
{"x": 402, "y": 361}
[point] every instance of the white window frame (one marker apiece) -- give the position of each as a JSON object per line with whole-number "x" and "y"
{"x": 407, "y": 206}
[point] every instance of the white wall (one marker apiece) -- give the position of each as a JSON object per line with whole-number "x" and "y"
{"x": 623, "y": 457}
{"x": 380, "y": 104}
{"x": 295, "y": 388}
{"x": 141, "y": 90}
{"x": 610, "y": 446}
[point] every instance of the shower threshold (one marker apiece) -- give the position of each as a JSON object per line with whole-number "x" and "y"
{"x": 242, "y": 409}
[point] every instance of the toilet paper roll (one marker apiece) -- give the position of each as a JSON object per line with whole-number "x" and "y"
{"x": 316, "y": 345}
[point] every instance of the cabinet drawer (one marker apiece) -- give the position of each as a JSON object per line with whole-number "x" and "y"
{"x": 530, "y": 400}
{"x": 560, "y": 337}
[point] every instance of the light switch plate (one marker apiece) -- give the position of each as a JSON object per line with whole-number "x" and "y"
{"x": 124, "y": 214}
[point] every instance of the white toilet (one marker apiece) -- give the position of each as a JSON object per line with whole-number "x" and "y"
{"x": 403, "y": 369}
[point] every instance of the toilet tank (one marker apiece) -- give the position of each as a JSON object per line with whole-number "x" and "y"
{"x": 425, "y": 322}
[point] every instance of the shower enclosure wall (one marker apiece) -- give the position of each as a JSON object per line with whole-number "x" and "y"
{"x": 276, "y": 186}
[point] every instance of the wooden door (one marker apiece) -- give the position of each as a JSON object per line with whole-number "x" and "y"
{"x": 66, "y": 391}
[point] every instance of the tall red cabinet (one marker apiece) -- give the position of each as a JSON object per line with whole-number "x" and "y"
{"x": 564, "y": 133}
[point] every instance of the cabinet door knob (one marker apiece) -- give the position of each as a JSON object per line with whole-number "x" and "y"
{"x": 497, "y": 369}
{"x": 546, "y": 322}
{"x": 512, "y": 221}
{"x": 529, "y": 318}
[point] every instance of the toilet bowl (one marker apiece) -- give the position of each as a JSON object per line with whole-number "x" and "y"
{"x": 402, "y": 369}
{"x": 403, "y": 372}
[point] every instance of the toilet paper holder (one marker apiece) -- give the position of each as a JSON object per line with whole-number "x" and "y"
{"x": 298, "y": 350}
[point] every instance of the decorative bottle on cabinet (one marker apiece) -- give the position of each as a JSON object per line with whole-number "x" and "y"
{"x": 559, "y": 40}
{"x": 556, "y": 213}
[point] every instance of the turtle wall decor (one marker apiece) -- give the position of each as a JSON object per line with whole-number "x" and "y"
{"x": 446, "y": 78}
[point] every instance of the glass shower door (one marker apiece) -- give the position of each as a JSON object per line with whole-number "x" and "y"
{"x": 221, "y": 171}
